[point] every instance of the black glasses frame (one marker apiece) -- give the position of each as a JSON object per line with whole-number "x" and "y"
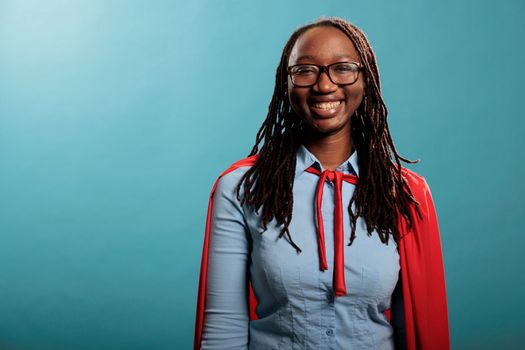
{"x": 325, "y": 69}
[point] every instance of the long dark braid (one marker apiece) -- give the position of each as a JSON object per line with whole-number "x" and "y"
{"x": 381, "y": 193}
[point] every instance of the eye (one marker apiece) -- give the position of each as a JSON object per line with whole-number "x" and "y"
{"x": 304, "y": 70}
{"x": 343, "y": 68}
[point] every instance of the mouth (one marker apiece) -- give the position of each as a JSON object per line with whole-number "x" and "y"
{"x": 325, "y": 109}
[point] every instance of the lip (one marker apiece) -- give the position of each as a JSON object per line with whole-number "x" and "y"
{"x": 318, "y": 99}
{"x": 325, "y": 113}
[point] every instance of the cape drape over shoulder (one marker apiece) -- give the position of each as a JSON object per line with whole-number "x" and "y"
{"x": 421, "y": 264}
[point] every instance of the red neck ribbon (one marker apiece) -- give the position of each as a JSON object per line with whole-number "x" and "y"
{"x": 337, "y": 178}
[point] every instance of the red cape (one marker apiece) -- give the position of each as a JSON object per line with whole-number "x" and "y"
{"x": 421, "y": 263}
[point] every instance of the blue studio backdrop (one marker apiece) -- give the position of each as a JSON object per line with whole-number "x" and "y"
{"x": 116, "y": 117}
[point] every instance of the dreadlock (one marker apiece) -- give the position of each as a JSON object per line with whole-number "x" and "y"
{"x": 381, "y": 194}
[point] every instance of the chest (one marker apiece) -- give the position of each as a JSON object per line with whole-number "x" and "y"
{"x": 371, "y": 267}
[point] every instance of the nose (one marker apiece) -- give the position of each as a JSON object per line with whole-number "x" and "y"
{"x": 324, "y": 84}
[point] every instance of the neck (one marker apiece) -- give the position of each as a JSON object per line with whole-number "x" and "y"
{"x": 331, "y": 150}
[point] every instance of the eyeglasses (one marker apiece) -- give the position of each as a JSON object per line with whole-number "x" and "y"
{"x": 340, "y": 73}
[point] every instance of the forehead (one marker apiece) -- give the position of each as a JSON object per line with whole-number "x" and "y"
{"x": 322, "y": 45}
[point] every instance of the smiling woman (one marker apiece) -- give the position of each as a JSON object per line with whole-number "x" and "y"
{"x": 326, "y": 101}
{"x": 276, "y": 272}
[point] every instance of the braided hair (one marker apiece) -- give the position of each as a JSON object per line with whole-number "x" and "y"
{"x": 381, "y": 194}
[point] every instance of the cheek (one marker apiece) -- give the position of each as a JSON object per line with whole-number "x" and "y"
{"x": 297, "y": 101}
{"x": 354, "y": 97}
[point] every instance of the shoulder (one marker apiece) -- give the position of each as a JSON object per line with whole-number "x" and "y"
{"x": 242, "y": 165}
{"x": 419, "y": 187}
{"x": 228, "y": 179}
{"x": 416, "y": 181}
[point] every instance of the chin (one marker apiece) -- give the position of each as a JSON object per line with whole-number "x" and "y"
{"x": 328, "y": 126}
{"x": 323, "y": 128}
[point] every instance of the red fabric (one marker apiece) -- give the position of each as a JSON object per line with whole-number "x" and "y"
{"x": 421, "y": 262}
{"x": 422, "y": 274}
{"x": 201, "y": 297}
{"x": 339, "y": 261}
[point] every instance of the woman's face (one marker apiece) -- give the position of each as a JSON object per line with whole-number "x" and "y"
{"x": 325, "y": 107}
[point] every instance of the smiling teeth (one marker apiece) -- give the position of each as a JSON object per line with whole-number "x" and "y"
{"x": 326, "y": 105}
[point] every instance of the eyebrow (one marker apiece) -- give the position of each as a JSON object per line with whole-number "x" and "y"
{"x": 338, "y": 56}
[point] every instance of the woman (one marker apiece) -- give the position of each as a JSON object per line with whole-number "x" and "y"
{"x": 284, "y": 265}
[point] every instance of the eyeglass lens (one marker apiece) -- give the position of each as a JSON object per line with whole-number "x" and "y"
{"x": 339, "y": 73}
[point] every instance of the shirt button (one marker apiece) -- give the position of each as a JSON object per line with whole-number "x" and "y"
{"x": 330, "y": 332}
{"x": 330, "y": 297}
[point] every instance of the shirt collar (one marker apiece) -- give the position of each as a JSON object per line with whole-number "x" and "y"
{"x": 305, "y": 159}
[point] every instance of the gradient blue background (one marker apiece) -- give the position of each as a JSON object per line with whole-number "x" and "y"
{"x": 116, "y": 117}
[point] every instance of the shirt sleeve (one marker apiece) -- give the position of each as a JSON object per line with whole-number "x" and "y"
{"x": 226, "y": 318}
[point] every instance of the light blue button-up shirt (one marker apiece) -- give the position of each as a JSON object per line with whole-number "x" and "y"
{"x": 297, "y": 308}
